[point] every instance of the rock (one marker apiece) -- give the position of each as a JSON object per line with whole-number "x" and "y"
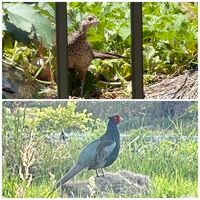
{"x": 119, "y": 184}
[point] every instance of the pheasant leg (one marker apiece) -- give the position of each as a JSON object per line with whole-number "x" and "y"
{"x": 97, "y": 173}
{"x": 102, "y": 172}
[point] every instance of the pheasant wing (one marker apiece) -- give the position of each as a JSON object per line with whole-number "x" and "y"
{"x": 103, "y": 151}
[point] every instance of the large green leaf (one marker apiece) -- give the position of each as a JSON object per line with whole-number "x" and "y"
{"x": 16, "y": 33}
{"x": 26, "y": 18}
{"x": 47, "y": 8}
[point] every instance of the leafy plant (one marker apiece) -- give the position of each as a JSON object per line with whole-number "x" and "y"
{"x": 20, "y": 16}
{"x": 169, "y": 37}
{"x": 32, "y": 161}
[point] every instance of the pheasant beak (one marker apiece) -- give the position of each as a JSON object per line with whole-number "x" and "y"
{"x": 121, "y": 119}
{"x": 96, "y": 23}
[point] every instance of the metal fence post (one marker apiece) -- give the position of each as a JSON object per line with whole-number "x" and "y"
{"x": 136, "y": 50}
{"x": 61, "y": 45}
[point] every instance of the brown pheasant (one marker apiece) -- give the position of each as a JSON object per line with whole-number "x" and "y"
{"x": 80, "y": 51}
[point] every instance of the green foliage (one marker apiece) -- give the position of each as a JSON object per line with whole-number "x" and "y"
{"x": 10, "y": 187}
{"x": 29, "y": 153}
{"x": 171, "y": 164}
{"x": 193, "y": 108}
{"x": 169, "y": 188}
{"x": 21, "y": 15}
{"x": 112, "y": 35}
{"x": 50, "y": 119}
{"x": 169, "y": 36}
{"x": 17, "y": 52}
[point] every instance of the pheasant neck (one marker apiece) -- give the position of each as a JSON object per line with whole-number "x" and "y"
{"x": 82, "y": 31}
{"x": 82, "y": 36}
{"x": 113, "y": 131}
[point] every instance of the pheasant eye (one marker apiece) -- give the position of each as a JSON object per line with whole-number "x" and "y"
{"x": 90, "y": 19}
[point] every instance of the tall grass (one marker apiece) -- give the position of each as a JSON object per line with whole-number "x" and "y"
{"x": 32, "y": 165}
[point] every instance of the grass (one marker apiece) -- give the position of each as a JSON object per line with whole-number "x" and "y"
{"x": 176, "y": 187}
{"x": 172, "y": 167}
{"x": 32, "y": 166}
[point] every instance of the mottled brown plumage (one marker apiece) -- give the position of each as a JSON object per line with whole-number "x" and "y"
{"x": 80, "y": 51}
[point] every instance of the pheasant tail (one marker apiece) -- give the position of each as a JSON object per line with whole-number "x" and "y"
{"x": 107, "y": 55}
{"x": 72, "y": 172}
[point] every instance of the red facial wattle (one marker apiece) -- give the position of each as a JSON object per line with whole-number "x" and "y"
{"x": 117, "y": 119}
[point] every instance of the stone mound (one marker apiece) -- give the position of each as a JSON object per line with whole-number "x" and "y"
{"x": 119, "y": 184}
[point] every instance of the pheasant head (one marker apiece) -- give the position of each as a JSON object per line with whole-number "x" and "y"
{"x": 115, "y": 119}
{"x": 88, "y": 22}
